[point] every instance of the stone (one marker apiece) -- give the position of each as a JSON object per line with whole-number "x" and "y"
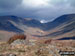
{"x": 11, "y": 54}
{"x": 18, "y": 42}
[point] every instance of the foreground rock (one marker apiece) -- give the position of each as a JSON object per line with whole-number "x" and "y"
{"x": 33, "y": 48}
{"x": 7, "y": 54}
{"x": 18, "y": 42}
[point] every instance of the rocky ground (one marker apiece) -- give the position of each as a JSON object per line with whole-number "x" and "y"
{"x": 35, "y": 48}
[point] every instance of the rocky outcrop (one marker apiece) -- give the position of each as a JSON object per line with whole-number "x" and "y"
{"x": 18, "y": 42}
{"x": 15, "y": 37}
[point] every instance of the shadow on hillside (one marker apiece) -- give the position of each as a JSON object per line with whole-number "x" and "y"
{"x": 67, "y": 38}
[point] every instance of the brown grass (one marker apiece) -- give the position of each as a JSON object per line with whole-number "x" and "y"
{"x": 15, "y": 37}
{"x": 48, "y": 41}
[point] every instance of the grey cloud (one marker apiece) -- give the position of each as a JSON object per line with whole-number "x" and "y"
{"x": 72, "y": 2}
{"x": 59, "y": 7}
{"x": 9, "y": 4}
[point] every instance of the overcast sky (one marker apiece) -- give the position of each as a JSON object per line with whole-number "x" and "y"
{"x": 38, "y": 9}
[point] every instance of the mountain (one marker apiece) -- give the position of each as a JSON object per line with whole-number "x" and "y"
{"x": 63, "y": 26}
{"x": 6, "y": 23}
{"x": 64, "y": 19}
{"x": 10, "y": 25}
{"x": 17, "y": 24}
{"x": 33, "y": 23}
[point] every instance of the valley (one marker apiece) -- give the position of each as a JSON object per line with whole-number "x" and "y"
{"x": 42, "y": 39}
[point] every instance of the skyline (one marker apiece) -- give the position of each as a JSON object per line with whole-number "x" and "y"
{"x": 45, "y": 10}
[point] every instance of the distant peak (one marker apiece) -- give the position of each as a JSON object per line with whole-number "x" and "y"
{"x": 28, "y": 19}
{"x": 9, "y": 16}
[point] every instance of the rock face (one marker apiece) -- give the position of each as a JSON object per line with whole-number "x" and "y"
{"x": 15, "y": 37}
{"x": 39, "y": 49}
{"x": 18, "y": 42}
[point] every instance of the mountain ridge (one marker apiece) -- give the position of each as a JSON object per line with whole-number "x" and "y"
{"x": 60, "y": 26}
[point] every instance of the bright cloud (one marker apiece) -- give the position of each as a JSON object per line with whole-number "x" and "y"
{"x": 44, "y": 21}
{"x": 35, "y": 3}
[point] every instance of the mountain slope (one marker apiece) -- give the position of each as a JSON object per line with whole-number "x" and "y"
{"x": 5, "y": 23}
{"x": 63, "y": 26}
{"x": 33, "y": 23}
{"x": 65, "y": 19}
{"x": 20, "y": 25}
{"x": 10, "y": 25}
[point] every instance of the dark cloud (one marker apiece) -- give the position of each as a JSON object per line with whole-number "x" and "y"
{"x": 72, "y": 2}
{"x": 9, "y": 4}
{"x": 41, "y": 10}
